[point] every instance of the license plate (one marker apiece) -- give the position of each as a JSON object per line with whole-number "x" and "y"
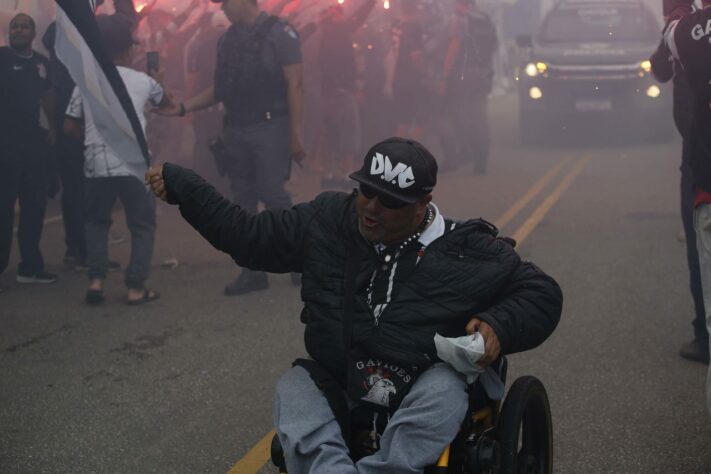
{"x": 593, "y": 105}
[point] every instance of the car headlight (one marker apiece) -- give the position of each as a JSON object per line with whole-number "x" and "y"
{"x": 646, "y": 65}
{"x": 535, "y": 93}
{"x": 534, "y": 69}
{"x": 654, "y": 91}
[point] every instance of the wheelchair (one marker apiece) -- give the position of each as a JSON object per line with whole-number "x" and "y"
{"x": 513, "y": 436}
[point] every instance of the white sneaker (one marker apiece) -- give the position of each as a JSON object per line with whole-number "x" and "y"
{"x": 40, "y": 277}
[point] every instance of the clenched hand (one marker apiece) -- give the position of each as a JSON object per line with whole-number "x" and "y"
{"x": 154, "y": 179}
{"x": 491, "y": 341}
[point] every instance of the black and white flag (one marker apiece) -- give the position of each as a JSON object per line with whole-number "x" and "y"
{"x": 80, "y": 47}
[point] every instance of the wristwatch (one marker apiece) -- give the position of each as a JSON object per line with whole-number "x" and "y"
{"x": 182, "y": 111}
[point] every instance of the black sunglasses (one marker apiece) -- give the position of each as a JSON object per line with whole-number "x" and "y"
{"x": 385, "y": 200}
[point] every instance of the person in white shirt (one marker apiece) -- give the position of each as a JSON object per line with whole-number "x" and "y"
{"x": 109, "y": 177}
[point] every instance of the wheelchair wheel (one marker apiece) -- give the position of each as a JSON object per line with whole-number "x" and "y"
{"x": 525, "y": 429}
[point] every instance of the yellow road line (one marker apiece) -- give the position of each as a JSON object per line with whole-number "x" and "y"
{"x": 261, "y": 452}
{"x": 532, "y": 193}
{"x": 255, "y": 458}
{"x": 525, "y": 230}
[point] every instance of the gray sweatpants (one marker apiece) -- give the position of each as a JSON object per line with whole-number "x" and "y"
{"x": 428, "y": 420}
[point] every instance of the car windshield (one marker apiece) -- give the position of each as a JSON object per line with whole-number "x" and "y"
{"x": 599, "y": 25}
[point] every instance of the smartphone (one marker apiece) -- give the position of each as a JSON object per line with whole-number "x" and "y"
{"x": 152, "y": 61}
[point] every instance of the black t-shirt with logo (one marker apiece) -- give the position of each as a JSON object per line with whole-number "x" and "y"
{"x": 24, "y": 81}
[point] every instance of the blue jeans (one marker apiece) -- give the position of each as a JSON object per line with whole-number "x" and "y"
{"x": 139, "y": 205}
{"x": 692, "y": 255}
{"x": 427, "y": 421}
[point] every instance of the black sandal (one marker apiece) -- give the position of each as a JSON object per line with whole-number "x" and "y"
{"x": 148, "y": 296}
{"x": 94, "y": 297}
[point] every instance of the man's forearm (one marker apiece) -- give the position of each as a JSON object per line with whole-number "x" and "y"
{"x": 73, "y": 128}
{"x": 269, "y": 241}
{"x": 202, "y": 101}
{"x": 295, "y": 98}
{"x": 450, "y": 58}
{"x": 528, "y": 311}
{"x": 48, "y": 105}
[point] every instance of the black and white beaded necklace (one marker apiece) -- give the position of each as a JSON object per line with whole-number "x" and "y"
{"x": 389, "y": 261}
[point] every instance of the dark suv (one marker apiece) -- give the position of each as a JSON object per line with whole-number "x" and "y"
{"x": 588, "y": 64}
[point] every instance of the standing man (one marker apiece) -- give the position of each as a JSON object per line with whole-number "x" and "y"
{"x": 465, "y": 84}
{"x": 338, "y": 74}
{"x": 25, "y": 87}
{"x": 688, "y": 37}
{"x": 259, "y": 80}
{"x": 109, "y": 176}
{"x": 664, "y": 69}
{"x": 69, "y": 156}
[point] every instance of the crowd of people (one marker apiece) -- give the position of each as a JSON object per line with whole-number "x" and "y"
{"x": 372, "y": 307}
{"x": 311, "y": 83}
{"x": 282, "y": 82}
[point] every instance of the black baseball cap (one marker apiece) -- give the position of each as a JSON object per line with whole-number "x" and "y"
{"x": 400, "y": 168}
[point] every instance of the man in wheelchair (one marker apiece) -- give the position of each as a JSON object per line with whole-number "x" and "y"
{"x": 383, "y": 273}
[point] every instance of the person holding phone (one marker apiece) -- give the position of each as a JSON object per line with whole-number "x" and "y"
{"x": 152, "y": 62}
{"x": 108, "y": 175}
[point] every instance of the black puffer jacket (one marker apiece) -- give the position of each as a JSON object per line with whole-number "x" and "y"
{"x": 465, "y": 273}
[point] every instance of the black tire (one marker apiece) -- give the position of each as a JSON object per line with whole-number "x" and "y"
{"x": 525, "y": 429}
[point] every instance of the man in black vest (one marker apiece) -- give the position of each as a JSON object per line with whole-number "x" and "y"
{"x": 688, "y": 37}
{"x": 259, "y": 80}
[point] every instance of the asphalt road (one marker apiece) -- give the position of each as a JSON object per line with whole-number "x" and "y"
{"x": 185, "y": 384}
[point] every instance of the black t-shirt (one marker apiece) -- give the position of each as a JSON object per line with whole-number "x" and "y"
{"x": 23, "y": 84}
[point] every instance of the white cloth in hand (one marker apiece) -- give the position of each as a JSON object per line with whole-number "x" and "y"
{"x": 462, "y": 353}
